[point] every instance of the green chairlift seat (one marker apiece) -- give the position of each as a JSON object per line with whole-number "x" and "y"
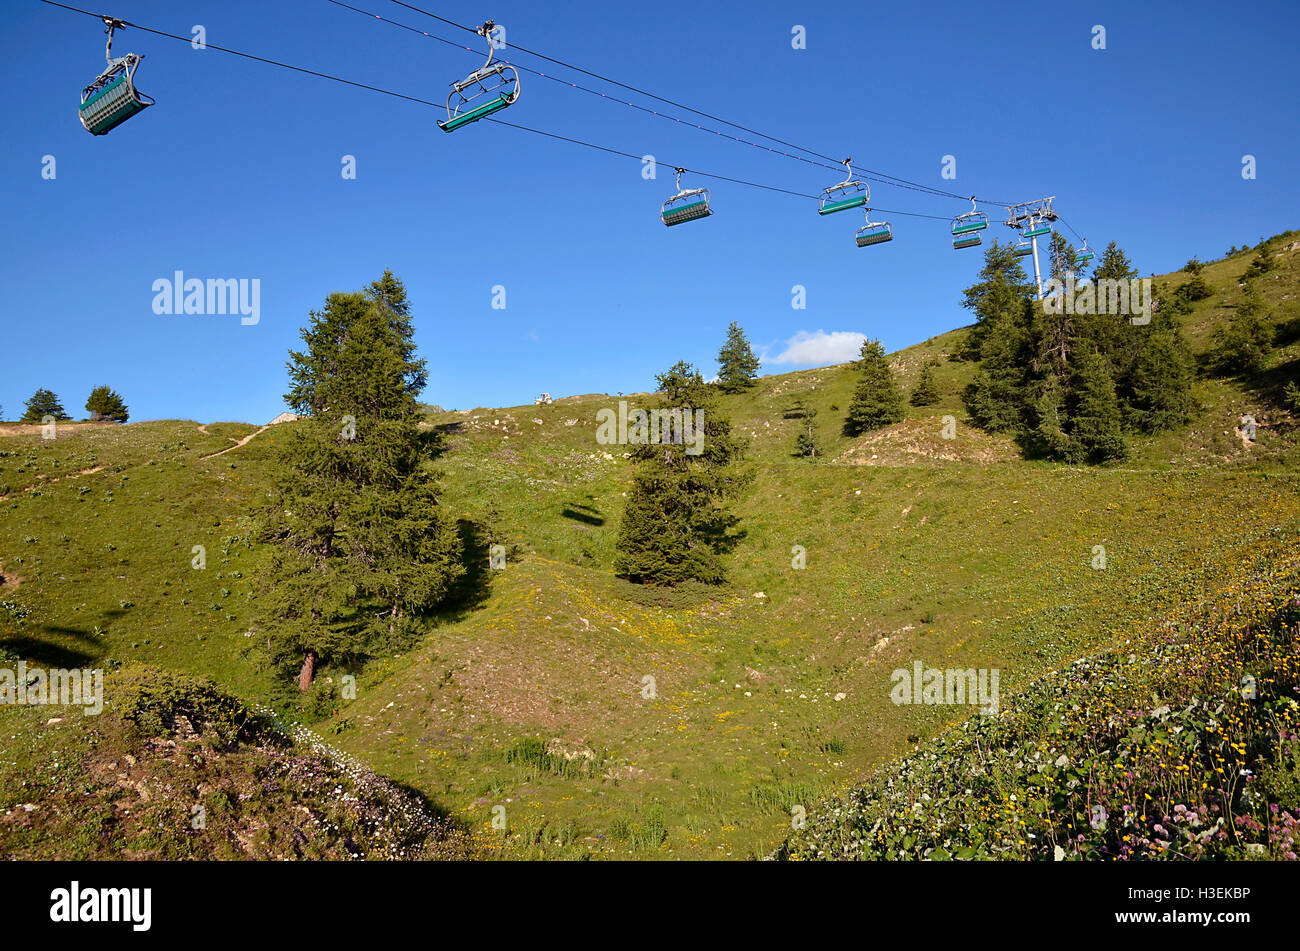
{"x": 875, "y": 234}
{"x": 110, "y": 105}
{"x": 687, "y": 212}
{"x": 478, "y": 112}
{"x": 967, "y": 241}
{"x": 829, "y": 208}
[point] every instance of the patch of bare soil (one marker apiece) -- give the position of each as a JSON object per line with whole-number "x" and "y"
{"x": 46, "y": 480}
{"x": 237, "y": 443}
{"x": 34, "y": 429}
{"x": 921, "y": 442}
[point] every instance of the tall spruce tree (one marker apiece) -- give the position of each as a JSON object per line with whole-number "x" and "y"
{"x": 1096, "y": 422}
{"x": 361, "y": 547}
{"x": 1156, "y": 392}
{"x": 105, "y": 403}
{"x": 675, "y": 525}
{"x": 1063, "y": 257}
{"x": 44, "y": 403}
{"x": 308, "y": 366}
{"x": 876, "y": 400}
{"x": 737, "y": 365}
{"x": 1001, "y": 290}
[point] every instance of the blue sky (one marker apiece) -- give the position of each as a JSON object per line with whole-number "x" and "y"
{"x": 236, "y": 173}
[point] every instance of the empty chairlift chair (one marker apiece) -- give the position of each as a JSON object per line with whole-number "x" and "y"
{"x": 1037, "y": 228}
{"x": 877, "y": 232}
{"x": 488, "y": 89}
{"x": 1085, "y": 254}
{"x": 688, "y": 204}
{"x": 847, "y": 194}
{"x": 966, "y": 228}
{"x": 1023, "y": 248}
{"x": 112, "y": 98}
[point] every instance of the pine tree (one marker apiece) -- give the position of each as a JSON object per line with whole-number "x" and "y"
{"x": 1114, "y": 265}
{"x": 675, "y": 526}
{"x": 999, "y": 395}
{"x": 1156, "y": 393}
{"x": 44, "y": 403}
{"x": 1291, "y": 397}
{"x": 1063, "y": 257}
{"x": 805, "y": 444}
{"x": 307, "y": 367}
{"x": 104, "y": 403}
{"x": 876, "y": 400}
{"x": 737, "y": 365}
{"x": 926, "y": 392}
{"x": 1002, "y": 289}
{"x": 1095, "y": 417}
{"x": 1261, "y": 263}
{"x": 1247, "y": 339}
{"x": 362, "y": 548}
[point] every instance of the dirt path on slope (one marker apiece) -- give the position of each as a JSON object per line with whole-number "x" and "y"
{"x": 46, "y": 480}
{"x": 237, "y": 442}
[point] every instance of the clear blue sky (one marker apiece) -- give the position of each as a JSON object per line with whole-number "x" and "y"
{"x": 236, "y": 174}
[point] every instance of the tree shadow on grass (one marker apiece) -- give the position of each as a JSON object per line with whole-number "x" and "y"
{"x": 471, "y": 591}
{"x": 46, "y": 654}
{"x": 582, "y": 513}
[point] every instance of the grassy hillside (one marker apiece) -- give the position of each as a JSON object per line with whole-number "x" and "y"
{"x": 772, "y": 693}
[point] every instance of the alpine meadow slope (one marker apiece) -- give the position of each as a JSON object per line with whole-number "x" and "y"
{"x": 553, "y": 710}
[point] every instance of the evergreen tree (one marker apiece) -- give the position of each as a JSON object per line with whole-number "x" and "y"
{"x": 1114, "y": 265}
{"x": 104, "y": 403}
{"x": 1063, "y": 257}
{"x": 737, "y": 365}
{"x": 1261, "y": 263}
{"x": 1291, "y": 397}
{"x": 41, "y": 404}
{"x": 805, "y": 444}
{"x": 1110, "y": 335}
{"x": 999, "y": 395}
{"x": 1247, "y": 339}
{"x": 1002, "y": 289}
{"x": 876, "y": 400}
{"x": 308, "y": 366}
{"x": 1157, "y": 390}
{"x": 1095, "y": 417}
{"x": 361, "y": 547}
{"x": 675, "y": 526}
{"x": 926, "y": 392}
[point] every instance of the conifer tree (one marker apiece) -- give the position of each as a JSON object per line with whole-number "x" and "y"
{"x": 1001, "y": 290}
{"x": 1247, "y": 338}
{"x": 1261, "y": 263}
{"x": 104, "y": 403}
{"x": 675, "y": 525}
{"x": 1063, "y": 257}
{"x": 1156, "y": 393}
{"x": 805, "y": 444}
{"x": 313, "y": 363}
{"x": 998, "y": 396}
{"x": 361, "y": 547}
{"x": 1096, "y": 423}
{"x": 44, "y": 403}
{"x": 737, "y": 365}
{"x": 926, "y": 392}
{"x": 876, "y": 400}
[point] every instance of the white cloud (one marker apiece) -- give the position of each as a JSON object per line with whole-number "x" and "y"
{"x": 806, "y": 349}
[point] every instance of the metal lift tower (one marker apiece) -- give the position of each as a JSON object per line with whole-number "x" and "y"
{"x": 1023, "y": 215}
